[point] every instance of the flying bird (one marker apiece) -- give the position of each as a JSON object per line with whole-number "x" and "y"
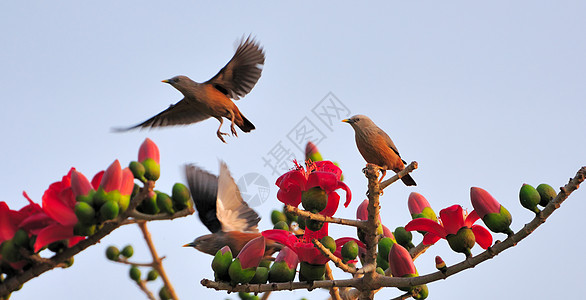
{"x": 221, "y": 209}
{"x": 212, "y": 98}
{"x": 377, "y": 147}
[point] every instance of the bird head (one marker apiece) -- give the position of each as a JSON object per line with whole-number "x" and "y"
{"x": 206, "y": 244}
{"x": 180, "y": 82}
{"x": 358, "y": 121}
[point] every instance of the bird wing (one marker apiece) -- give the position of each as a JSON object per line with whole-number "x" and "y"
{"x": 239, "y": 76}
{"x": 233, "y": 213}
{"x": 389, "y": 142}
{"x": 181, "y": 113}
{"x": 204, "y": 191}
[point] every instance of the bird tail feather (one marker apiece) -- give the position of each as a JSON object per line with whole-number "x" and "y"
{"x": 245, "y": 125}
{"x": 408, "y": 180}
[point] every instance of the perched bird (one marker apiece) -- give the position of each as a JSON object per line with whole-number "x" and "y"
{"x": 377, "y": 147}
{"x": 212, "y": 98}
{"x": 222, "y": 210}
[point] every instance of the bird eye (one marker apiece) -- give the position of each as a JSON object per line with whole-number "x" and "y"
{"x": 357, "y": 119}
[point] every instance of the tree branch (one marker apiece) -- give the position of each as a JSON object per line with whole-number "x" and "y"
{"x": 318, "y": 217}
{"x": 408, "y": 169}
{"x": 157, "y": 262}
{"x": 338, "y": 262}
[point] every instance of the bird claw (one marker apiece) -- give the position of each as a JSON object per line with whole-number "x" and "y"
{"x": 220, "y": 134}
{"x": 234, "y": 133}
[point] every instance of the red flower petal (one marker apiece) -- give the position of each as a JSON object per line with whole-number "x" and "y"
{"x": 148, "y": 149}
{"x": 79, "y": 184}
{"x": 430, "y": 238}
{"x": 97, "y": 180}
{"x": 127, "y": 184}
{"x": 471, "y": 218}
{"x": 112, "y": 177}
{"x": 330, "y": 167}
{"x": 423, "y": 224}
{"x": 292, "y": 196}
{"x": 280, "y": 236}
{"x": 342, "y": 185}
{"x": 53, "y": 233}
{"x": 400, "y": 261}
{"x": 252, "y": 253}
{"x": 416, "y": 203}
{"x": 58, "y": 201}
{"x": 452, "y": 218}
{"x": 332, "y": 205}
{"x": 7, "y": 227}
{"x": 387, "y": 232}
{"x": 483, "y": 202}
{"x": 482, "y": 236}
{"x": 36, "y": 222}
{"x": 325, "y": 180}
{"x": 288, "y": 256}
{"x": 309, "y": 254}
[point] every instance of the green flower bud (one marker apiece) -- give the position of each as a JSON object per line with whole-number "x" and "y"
{"x": 134, "y": 273}
{"x": 112, "y": 253}
{"x": 281, "y": 225}
{"x": 152, "y": 275}
{"x": 314, "y": 199}
{"x": 349, "y": 251}
{"x": 85, "y": 213}
{"x": 127, "y": 251}
{"x": 529, "y": 197}
{"x": 165, "y": 203}
{"x": 546, "y": 193}
{"x": 277, "y": 216}
{"x": 239, "y": 275}
{"x": 462, "y": 241}
{"x": 152, "y": 169}
{"x": 109, "y": 210}
{"x": 138, "y": 170}
{"x": 311, "y": 272}
{"x": 403, "y": 237}
{"x": 180, "y": 195}
{"x": 329, "y": 243}
{"x": 260, "y": 276}
{"x": 164, "y": 293}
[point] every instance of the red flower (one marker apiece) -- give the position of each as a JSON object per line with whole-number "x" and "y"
{"x": 400, "y": 262}
{"x": 148, "y": 149}
{"x": 57, "y": 216}
{"x": 322, "y": 174}
{"x": 419, "y": 207}
{"x": 452, "y": 219}
{"x": 289, "y": 257}
{"x": 252, "y": 253}
{"x": 304, "y": 248}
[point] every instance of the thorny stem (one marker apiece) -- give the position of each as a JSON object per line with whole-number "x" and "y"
{"x": 157, "y": 262}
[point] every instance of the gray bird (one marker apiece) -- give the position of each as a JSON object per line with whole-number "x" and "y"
{"x": 212, "y": 98}
{"x": 221, "y": 209}
{"x": 377, "y": 147}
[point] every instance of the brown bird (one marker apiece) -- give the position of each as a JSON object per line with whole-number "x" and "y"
{"x": 221, "y": 209}
{"x": 377, "y": 147}
{"x": 212, "y": 98}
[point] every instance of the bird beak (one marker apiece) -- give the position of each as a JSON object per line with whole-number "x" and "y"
{"x": 166, "y": 81}
{"x": 349, "y": 121}
{"x": 189, "y": 245}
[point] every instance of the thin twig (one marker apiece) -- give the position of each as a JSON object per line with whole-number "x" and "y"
{"x": 141, "y": 284}
{"x": 408, "y": 169}
{"x": 337, "y": 261}
{"x": 318, "y": 217}
{"x": 162, "y": 216}
{"x": 157, "y": 262}
{"x": 334, "y": 291}
{"x": 418, "y": 250}
{"x": 127, "y": 262}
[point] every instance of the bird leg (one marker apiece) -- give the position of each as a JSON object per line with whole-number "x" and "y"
{"x": 219, "y": 133}
{"x": 234, "y": 133}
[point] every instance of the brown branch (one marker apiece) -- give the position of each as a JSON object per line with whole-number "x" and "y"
{"x": 367, "y": 290}
{"x": 337, "y": 261}
{"x": 141, "y": 284}
{"x": 334, "y": 291}
{"x": 138, "y": 216}
{"x": 318, "y": 217}
{"x": 127, "y": 262}
{"x": 265, "y": 295}
{"x": 408, "y": 169}
{"x": 418, "y": 250}
{"x": 157, "y": 262}
{"x": 404, "y": 296}
{"x": 281, "y": 286}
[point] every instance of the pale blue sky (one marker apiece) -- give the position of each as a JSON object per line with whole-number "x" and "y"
{"x": 488, "y": 95}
